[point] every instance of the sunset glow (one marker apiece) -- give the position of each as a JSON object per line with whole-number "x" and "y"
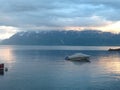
{"x": 7, "y": 31}
{"x": 112, "y": 27}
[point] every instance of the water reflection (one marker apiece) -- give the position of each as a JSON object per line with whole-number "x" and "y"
{"x": 35, "y": 68}
{"x": 80, "y": 62}
{"x": 1, "y": 72}
{"x": 6, "y": 56}
{"x": 111, "y": 64}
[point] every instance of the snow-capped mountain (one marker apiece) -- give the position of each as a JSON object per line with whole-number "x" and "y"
{"x": 86, "y": 37}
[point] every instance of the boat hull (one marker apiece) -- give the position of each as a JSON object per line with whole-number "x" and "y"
{"x": 77, "y": 58}
{"x": 118, "y": 49}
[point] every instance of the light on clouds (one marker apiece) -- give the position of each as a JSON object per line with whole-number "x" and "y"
{"x": 114, "y": 27}
{"x": 24, "y": 15}
{"x": 7, "y": 31}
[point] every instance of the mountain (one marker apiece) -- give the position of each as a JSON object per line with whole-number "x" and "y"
{"x": 86, "y": 37}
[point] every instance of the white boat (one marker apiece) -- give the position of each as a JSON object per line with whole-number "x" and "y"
{"x": 78, "y": 57}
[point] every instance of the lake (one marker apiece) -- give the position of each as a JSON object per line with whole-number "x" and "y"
{"x": 44, "y": 68}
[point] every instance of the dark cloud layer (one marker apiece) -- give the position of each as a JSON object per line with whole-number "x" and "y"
{"x": 58, "y": 13}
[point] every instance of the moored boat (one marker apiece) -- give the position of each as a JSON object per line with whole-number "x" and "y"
{"x": 78, "y": 57}
{"x": 117, "y": 49}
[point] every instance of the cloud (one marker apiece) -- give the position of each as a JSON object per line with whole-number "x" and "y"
{"x": 58, "y": 14}
{"x": 7, "y": 31}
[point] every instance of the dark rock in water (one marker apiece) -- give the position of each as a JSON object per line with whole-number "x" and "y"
{"x": 118, "y": 49}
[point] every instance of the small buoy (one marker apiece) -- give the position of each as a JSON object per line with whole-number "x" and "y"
{"x": 6, "y": 69}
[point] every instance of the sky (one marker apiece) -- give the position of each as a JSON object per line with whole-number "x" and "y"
{"x": 26, "y": 15}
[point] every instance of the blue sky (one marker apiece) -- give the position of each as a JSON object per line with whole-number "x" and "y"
{"x": 25, "y": 15}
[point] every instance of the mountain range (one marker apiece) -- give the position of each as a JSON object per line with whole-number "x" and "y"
{"x": 71, "y": 37}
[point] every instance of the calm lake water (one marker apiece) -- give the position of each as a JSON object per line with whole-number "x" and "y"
{"x": 44, "y": 68}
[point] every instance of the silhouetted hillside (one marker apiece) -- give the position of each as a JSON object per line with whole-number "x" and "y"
{"x": 86, "y": 37}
